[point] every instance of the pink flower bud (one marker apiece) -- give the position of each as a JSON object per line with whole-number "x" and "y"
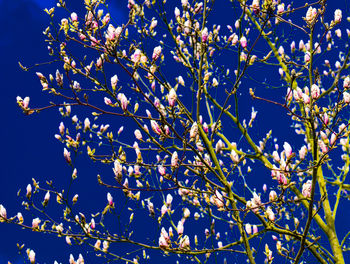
{"x": 172, "y": 97}
{"x": 114, "y": 81}
{"x": 302, "y": 152}
{"x": 272, "y": 196}
{"x": 157, "y": 51}
{"x": 177, "y": 12}
{"x": 270, "y": 214}
{"x": 123, "y": 101}
{"x": 255, "y": 229}
{"x": 66, "y": 155}
{"x": 174, "y": 159}
{"x": 264, "y": 188}
{"x": 163, "y": 242}
{"x": 107, "y": 101}
{"x": 346, "y": 97}
{"x": 248, "y": 229}
{"x": 29, "y": 191}
{"x": 205, "y": 35}
{"x": 333, "y": 139}
{"x": 35, "y": 223}
{"x": 346, "y": 82}
{"x": 164, "y": 210}
{"x": 243, "y": 42}
{"x": 337, "y": 16}
{"x": 3, "y": 214}
{"x": 311, "y": 15}
{"x": 194, "y": 130}
{"x": 138, "y": 134}
{"x": 110, "y": 199}
{"x": 180, "y": 228}
{"x": 287, "y": 149}
{"x": 86, "y": 124}
{"x": 187, "y": 213}
{"x": 74, "y": 17}
{"x": 47, "y": 197}
{"x": 155, "y": 127}
{"x": 31, "y": 256}
{"x": 315, "y": 91}
{"x": 306, "y": 191}
{"x": 161, "y": 170}
{"x": 61, "y": 128}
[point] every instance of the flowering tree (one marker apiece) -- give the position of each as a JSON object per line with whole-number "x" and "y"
{"x": 191, "y": 158}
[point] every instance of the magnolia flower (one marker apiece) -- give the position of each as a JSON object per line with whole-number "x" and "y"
{"x": 248, "y": 228}
{"x": 255, "y": 229}
{"x": 29, "y": 191}
{"x": 306, "y": 191}
{"x": 135, "y": 58}
{"x": 107, "y": 101}
{"x": 196, "y": 216}
{"x": 118, "y": 170}
{"x": 272, "y": 196}
{"x": 97, "y": 245}
{"x": 172, "y": 97}
{"x": 157, "y": 51}
{"x": 184, "y": 242}
{"x": 270, "y": 214}
{"x": 174, "y": 159}
{"x": 256, "y": 5}
{"x": 114, "y": 81}
{"x": 153, "y": 24}
{"x": 177, "y": 12}
{"x": 163, "y": 210}
{"x": 311, "y": 15}
{"x": 123, "y": 101}
{"x": 338, "y": 33}
{"x": 161, "y": 170}
{"x": 181, "y": 81}
{"x": 36, "y": 222}
{"x": 205, "y": 35}
{"x": 315, "y": 91}
{"x": 287, "y": 149}
{"x": 302, "y": 152}
{"x": 346, "y": 97}
{"x": 194, "y": 130}
{"x": 346, "y": 82}
{"x": 187, "y": 213}
{"x": 19, "y": 216}
{"x": 337, "y": 16}
{"x": 219, "y": 146}
{"x": 234, "y": 156}
{"x": 66, "y": 155}
{"x": 86, "y": 124}
{"x": 169, "y": 199}
{"x": 292, "y": 46}
{"x": 3, "y": 214}
{"x": 243, "y": 42}
{"x": 163, "y": 242}
{"x": 180, "y": 228}
{"x": 155, "y": 127}
{"x": 110, "y": 199}
{"x": 74, "y": 17}
{"x": 31, "y": 256}
{"x": 138, "y": 134}
{"x": 333, "y": 139}
{"x": 47, "y": 197}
